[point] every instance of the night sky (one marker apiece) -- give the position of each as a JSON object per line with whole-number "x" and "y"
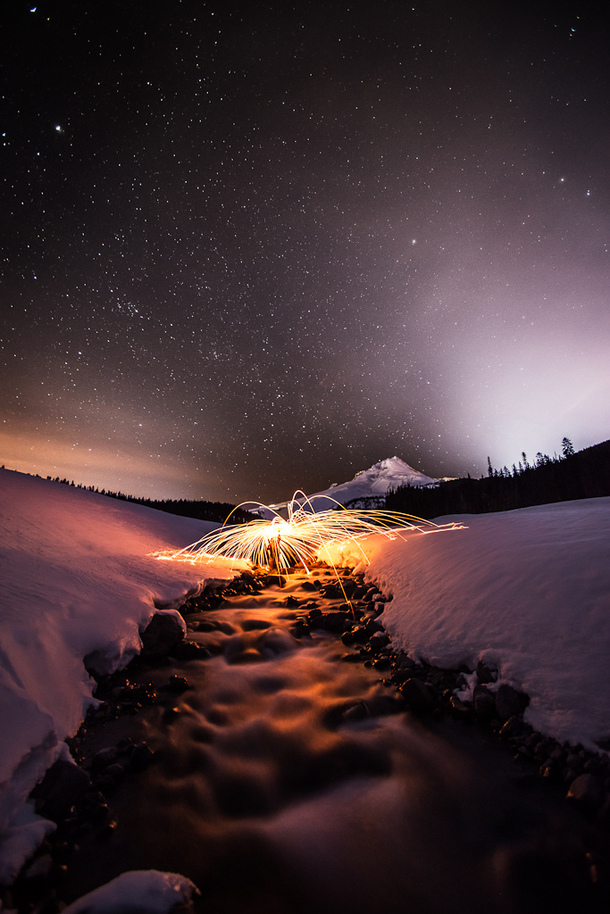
{"x": 250, "y": 247}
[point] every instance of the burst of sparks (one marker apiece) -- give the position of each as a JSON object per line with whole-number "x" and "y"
{"x": 283, "y": 543}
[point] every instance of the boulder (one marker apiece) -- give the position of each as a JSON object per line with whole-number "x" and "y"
{"x": 510, "y": 702}
{"x": 164, "y": 631}
{"x": 587, "y": 789}
{"x": 62, "y": 787}
{"x": 484, "y": 674}
{"x": 484, "y": 703}
{"x": 418, "y": 695}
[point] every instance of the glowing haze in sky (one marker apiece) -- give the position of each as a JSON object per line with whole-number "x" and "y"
{"x": 250, "y": 247}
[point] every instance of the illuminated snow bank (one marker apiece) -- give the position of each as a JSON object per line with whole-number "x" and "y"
{"x": 75, "y": 577}
{"x": 527, "y": 590}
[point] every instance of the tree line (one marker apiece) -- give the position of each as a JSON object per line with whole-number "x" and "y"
{"x": 217, "y": 511}
{"x": 573, "y": 475}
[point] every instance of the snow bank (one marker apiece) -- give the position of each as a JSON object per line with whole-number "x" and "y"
{"x": 148, "y": 891}
{"x": 528, "y": 590}
{"x": 76, "y": 576}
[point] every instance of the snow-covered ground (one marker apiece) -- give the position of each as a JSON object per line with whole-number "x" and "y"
{"x": 527, "y": 591}
{"x": 76, "y": 576}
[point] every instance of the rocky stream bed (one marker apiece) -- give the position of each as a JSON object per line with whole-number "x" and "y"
{"x": 286, "y": 759}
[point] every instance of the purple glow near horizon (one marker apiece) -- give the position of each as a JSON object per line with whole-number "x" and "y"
{"x": 252, "y": 248}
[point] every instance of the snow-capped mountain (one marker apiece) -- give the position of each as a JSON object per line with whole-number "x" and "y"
{"x": 372, "y": 485}
{"x": 369, "y": 487}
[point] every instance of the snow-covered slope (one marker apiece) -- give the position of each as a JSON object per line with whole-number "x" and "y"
{"x": 369, "y": 487}
{"x": 527, "y": 591}
{"x": 76, "y": 576}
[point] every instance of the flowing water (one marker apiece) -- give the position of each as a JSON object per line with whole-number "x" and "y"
{"x": 288, "y": 780}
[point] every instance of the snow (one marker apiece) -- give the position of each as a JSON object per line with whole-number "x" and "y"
{"x": 76, "y": 576}
{"x": 526, "y": 591}
{"x": 367, "y": 486}
{"x": 137, "y": 892}
{"x": 376, "y": 481}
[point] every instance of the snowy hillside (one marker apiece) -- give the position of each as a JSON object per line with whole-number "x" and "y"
{"x": 369, "y": 487}
{"x": 525, "y": 591}
{"x": 76, "y": 576}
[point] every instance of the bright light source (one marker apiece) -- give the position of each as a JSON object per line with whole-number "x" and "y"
{"x": 279, "y": 543}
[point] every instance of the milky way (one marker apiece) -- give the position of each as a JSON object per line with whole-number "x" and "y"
{"x": 249, "y": 247}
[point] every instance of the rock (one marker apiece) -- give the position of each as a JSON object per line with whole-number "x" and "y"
{"x": 575, "y": 762}
{"x": 248, "y": 579}
{"x": 190, "y": 650}
{"x": 93, "y": 806}
{"x": 594, "y": 765}
{"x": 115, "y": 772}
{"x": 418, "y": 695}
{"x": 103, "y": 758}
{"x": 484, "y": 674}
{"x": 141, "y": 757}
{"x": 459, "y": 708}
{"x": 587, "y": 789}
{"x": 484, "y": 703}
{"x": 332, "y": 592}
{"x": 509, "y": 702}
{"x": 63, "y": 785}
{"x": 356, "y": 712}
{"x": 513, "y": 727}
{"x": 164, "y": 631}
{"x": 241, "y": 655}
{"x": 334, "y": 621}
{"x": 300, "y": 629}
{"x": 275, "y": 642}
{"x": 374, "y": 646}
{"x": 400, "y": 676}
{"x": 357, "y": 635}
{"x": 178, "y": 683}
{"x": 404, "y": 662}
{"x": 349, "y": 587}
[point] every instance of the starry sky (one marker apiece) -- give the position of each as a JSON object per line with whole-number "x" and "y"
{"x": 253, "y": 246}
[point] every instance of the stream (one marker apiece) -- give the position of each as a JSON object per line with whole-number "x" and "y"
{"x": 284, "y": 779}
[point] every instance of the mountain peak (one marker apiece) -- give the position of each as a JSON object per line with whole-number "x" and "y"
{"x": 369, "y": 487}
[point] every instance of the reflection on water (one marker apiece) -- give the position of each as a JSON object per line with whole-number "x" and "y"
{"x": 286, "y": 780}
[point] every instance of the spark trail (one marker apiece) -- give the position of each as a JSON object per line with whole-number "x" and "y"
{"x": 282, "y": 543}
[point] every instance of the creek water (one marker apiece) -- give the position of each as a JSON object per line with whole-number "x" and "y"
{"x": 288, "y": 781}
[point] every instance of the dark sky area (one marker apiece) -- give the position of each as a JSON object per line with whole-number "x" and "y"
{"x": 250, "y": 247}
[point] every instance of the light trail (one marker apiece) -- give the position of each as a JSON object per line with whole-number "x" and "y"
{"x": 279, "y": 543}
